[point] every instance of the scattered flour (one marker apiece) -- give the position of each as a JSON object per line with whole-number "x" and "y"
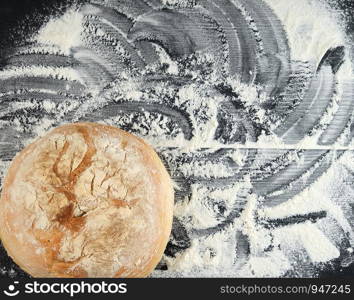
{"x": 311, "y": 35}
{"x": 63, "y": 73}
{"x": 64, "y": 32}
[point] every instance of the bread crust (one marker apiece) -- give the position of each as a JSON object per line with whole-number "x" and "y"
{"x": 62, "y": 213}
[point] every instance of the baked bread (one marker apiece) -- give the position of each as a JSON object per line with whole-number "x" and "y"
{"x": 86, "y": 200}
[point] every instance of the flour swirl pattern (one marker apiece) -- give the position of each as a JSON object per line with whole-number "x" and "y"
{"x": 244, "y": 126}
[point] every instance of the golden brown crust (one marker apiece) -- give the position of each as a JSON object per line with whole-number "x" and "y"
{"x": 86, "y": 200}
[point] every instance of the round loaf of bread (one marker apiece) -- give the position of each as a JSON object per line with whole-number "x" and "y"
{"x": 86, "y": 200}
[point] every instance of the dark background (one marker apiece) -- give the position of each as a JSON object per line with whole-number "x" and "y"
{"x": 19, "y": 19}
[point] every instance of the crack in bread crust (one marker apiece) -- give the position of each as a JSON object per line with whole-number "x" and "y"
{"x": 66, "y": 215}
